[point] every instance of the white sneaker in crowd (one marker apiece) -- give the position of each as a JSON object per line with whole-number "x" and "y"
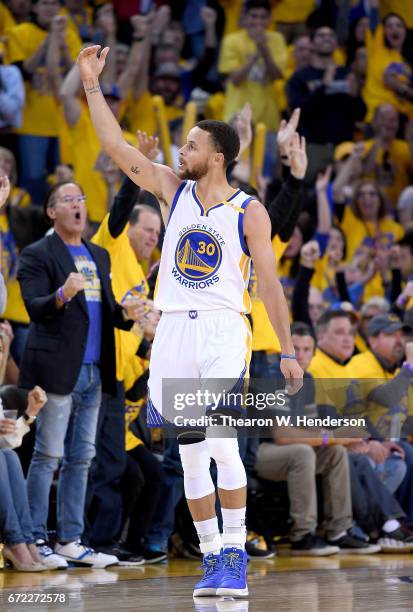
{"x": 79, "y": 554}
{"x": 50, "y": 559}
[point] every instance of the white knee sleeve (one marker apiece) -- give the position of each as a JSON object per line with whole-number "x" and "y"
{"x": 196, "y": 460}
{"x": 231, "y": 471}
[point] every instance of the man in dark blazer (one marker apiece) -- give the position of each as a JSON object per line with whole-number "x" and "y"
{"x": 70, "y": 352}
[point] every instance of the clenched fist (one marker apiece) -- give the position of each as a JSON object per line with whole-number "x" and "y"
{"x": 75, "y": 282}
{"x": 134, "y": 309}
{"x": 35, "y": 401}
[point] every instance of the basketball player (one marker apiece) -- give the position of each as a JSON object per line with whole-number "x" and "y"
{"x": 213, "y": 232}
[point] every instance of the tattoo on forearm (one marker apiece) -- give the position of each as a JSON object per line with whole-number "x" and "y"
{"x": 92, "y": 87}
{"x": 135, "y": 169}
{"x": 93, "y": 90}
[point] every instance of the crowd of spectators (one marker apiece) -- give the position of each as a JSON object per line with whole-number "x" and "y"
{"x": 80, "y": 244}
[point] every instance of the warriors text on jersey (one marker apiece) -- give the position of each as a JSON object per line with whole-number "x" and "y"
{"x": 205, "y": 263}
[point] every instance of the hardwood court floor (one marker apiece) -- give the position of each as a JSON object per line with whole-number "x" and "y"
{"x": 379, "y": 583}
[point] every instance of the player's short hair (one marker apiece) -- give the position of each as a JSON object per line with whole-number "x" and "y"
{"x": 225, "y": 139}
{"x": 138, "y": 209}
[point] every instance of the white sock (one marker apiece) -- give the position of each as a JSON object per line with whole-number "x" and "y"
{"x": 234, "y": 532}
{"x": 209, "y": 537}
{"x": 391, "y": 525}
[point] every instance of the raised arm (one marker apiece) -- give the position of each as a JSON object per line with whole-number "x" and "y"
{"x": 257, "y": 228}
{"x": 106, "y": 22}
{"x": 324, "y": 221}
{"x": 133, "y": 67}
{"x": 69, "y": 96}
{"x": 373, "y": 14}
{"x": 156, "y": 178}
{"x": 285, "y": 208}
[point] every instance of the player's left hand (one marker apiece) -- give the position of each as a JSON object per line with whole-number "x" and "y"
{"x": 293, "y": 375}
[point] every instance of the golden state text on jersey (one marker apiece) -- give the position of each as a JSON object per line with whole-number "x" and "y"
{"x": 205, "y": 262}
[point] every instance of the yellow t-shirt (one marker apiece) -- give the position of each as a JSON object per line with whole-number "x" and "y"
{"x": 396, "y": 177}
{"x": 256, "y": 89}
{"x": 140, "y": 114}
{"x": 379, "y": 57}
{"x": 232, "y": 11}
{"x": 366, "y": 365}
{"x": 19, "y": 197}
{"x": 324, "y": 278}
{"x": 15, "y": 309}
{"x": 75, "y": 22}
{"x": 331, "y": 380}
{"x": 132, "y": 410}
{"x": 264, "y": 337}
{"x": 400, "y": 7}
{"x": 214, "y": 108}
{"x": 368, "y": 374}
{"x": 134, "y": 369}
{"x": 361, "y": 344}
{"x": 127, "y": 279}
{"x": 324, "y": 275}
{"x": 40, "y": 113}
{"x": 292, "y": 11}
{"x": 287, "y": 11}
{"x": 324, "y": 366}
{"x": 7, "y": 22}
{"x": 361, "y": 233}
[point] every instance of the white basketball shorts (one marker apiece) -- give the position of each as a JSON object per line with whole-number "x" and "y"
{"x": 195, "y": 346}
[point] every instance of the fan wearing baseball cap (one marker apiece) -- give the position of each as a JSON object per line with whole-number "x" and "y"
{"x": 387, "y": 390}
{"x": 386, "y": 349}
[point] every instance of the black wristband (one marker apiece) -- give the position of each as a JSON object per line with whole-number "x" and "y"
{"x": 143, "y": 349}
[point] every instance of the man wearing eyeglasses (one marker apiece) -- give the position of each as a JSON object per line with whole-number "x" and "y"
{"x": 70, "y": 352}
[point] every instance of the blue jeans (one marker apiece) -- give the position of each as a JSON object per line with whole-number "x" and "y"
{"x": 265, "y": 365}
{"x": 15, "y": 521}
{"x": 39, "y": 155}
{"x": 65, "y": 433}
{"x": 270, "y": 155}
{"x": 404, "y": 493}
{"x": 20, "y": 332}
{"x": 172, "y": 492}
{"x": 104, "y": 497}
{"x": 391, "y": 472}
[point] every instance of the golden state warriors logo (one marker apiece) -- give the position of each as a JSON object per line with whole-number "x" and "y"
{"x": 198, "y": 256}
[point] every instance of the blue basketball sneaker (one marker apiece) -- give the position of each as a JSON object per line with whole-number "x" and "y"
{"x": 212, "y": 566}
{"x": 234, "y": 573}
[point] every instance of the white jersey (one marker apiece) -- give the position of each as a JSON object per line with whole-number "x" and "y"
{"x": 205, "y": 263}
